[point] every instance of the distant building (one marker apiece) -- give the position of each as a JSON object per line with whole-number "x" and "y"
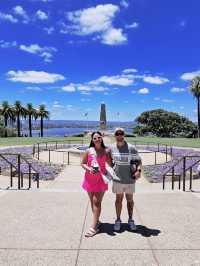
{"x": 103, "y": 117}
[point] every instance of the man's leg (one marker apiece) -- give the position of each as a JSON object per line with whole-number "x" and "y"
{"x": 130, "y": 205}
{"x": 118, "y": 205}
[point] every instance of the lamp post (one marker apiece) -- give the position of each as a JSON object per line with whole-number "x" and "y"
{"x": 118, "y": 114}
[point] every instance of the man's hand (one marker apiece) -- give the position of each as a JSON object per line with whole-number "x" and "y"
{"x": 137, "y": 174}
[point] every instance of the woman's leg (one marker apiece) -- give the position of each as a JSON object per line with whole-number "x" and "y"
{"x": 90, "y": 194}
{"x": 96, "y": 200}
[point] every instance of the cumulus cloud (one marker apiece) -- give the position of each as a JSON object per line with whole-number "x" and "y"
{"x": 19, "y": 10}
{"x": 4, "y": 44}
{"x": 124, "y": 3}
{"x": 155, "y": 80}
{"x": 190, "y": 75}
{"x": 33, "y": 76}
{"x": 8, "y": 17}
{"x": 176, "y": 90}
{"x": 44, "y": 52}
{"x": 114, "y": 37}
{"x": 49, "y": 30}
{"x": 69, "y": 88}
{"x": 41, "y": 15}
{"x": 129, "y": 70}
{"x": 143, "y": 91}
{"x": 120, "y": 80}
{"x": 134, "y": 25}
{"x": 95, "y": 21}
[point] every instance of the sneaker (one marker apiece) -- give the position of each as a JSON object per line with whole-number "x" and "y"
{"x": 117, "y": 225}
{"x": 132, "y": 225}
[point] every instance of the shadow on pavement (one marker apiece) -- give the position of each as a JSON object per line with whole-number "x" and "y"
{"x": 108, "y": 228}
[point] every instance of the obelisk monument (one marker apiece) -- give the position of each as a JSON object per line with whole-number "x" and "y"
{"x": 103, "y": 117}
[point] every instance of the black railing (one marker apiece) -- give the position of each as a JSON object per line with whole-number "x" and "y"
{"x": 16, "y": 169}
{"x": 182, "y": 174}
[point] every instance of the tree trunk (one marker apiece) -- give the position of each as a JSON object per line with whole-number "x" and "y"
{"x": 41, "y": 126}
{"x": 30, "y": 126}
{"x": 6, "y": 124}
{"x": 198, "y": 114}
{"x": 18, "y": 126}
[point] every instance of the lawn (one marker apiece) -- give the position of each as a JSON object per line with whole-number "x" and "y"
{"x": 179, "y": 142}
{"x": 29, "y": 141}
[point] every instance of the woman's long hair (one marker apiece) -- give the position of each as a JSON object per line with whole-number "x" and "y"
{"x": 92, "y": 142}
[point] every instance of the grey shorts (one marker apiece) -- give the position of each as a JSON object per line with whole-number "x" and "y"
{"x": 119, "y": 188}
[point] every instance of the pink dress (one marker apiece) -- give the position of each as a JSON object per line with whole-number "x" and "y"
{"x": 94, "y": 182}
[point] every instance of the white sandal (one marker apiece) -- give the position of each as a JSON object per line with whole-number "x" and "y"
{"x": 92, "y": 232}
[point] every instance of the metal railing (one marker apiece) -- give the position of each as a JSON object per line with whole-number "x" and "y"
{"x": 17, "y": 170}
{"x": 182, "y": 174}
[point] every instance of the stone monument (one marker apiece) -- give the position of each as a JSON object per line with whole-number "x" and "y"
{"x": 103, "y": 117}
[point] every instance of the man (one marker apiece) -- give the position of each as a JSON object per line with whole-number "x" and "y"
{"x": 127, "y": 167}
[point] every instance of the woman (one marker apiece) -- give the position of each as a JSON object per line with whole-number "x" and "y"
{"x": 93, "y": 182}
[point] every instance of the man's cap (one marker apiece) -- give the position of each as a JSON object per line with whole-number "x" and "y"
{"x": 119, "y": 129}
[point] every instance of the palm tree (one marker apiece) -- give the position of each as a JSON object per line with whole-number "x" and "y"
{"x": 7, "y": 113}
{"x": 195, "y": 90}
{"x": 20, "y": 111}
{"x": 43, "y": 114}
{"x": 30, "y": 112}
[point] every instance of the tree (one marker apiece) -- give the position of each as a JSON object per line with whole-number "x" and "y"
{"x": 19, "y": 111}
{"x": 31, "y": 113}
{"x": 43, "y": 114}
{"x": 162, "y": 123}
{"x": 7, "y": 113}
{"x": 195, "y": 90}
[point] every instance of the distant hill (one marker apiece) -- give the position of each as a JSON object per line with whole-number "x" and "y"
{"x": 77, "y": 123}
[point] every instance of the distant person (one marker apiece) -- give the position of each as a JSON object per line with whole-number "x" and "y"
{"x": 127, "y": 167}
{"x": 94, "y": 163}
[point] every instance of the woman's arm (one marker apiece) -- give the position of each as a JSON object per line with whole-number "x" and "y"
{"x": 109, "y": 158}
{"x": 84, "y": 163}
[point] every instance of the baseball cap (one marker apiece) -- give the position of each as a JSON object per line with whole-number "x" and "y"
{"x": 119, "y": 129}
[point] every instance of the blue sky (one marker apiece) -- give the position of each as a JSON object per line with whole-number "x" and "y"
{"x": 133, "y": 55}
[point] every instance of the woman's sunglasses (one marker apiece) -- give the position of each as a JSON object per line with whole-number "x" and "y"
{"x": 119, "y": 134}
{"x": 97, "y": 138}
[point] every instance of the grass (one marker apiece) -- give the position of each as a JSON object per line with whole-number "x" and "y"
{"x": 29, "y": 141}
{"x": 179, "y": 142}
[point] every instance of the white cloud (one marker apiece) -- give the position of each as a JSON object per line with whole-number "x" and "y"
{"x": 8, "y": 17}
{"x": 18, "y": 10}
{"x": 95, "y": 20}
{"x": 134, "y": 25}
{"x": 124, "y": 3}
{"x": 44, "y": 52}
{"x": 69, "y": 88}
{"x": 190, "y": 75}
{"x": 49, "y": 30}
{"x": 33, "y": 88}
{"x": 120, "y": 80}
{"x": 143, "y": 91}
{"x": 155, "y": 80}
{"x": 156, "y": 99}
{"x": 167, "y": 101}
{"x": 33, "y": 76}
{"x": 4, "y": 44}
{"x": 114, "y": 37}
{"x": 41, "y": 15}
{"x": 129, "y": 70}
{"x": 176, "y": 89}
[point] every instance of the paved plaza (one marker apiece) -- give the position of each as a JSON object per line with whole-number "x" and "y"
{"x": 46, "y": 226}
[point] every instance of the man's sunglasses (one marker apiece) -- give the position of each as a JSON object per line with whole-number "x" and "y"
{"x": 119, "y": 134}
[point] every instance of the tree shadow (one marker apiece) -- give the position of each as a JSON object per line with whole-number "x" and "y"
{"x": 108, "y": 228}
